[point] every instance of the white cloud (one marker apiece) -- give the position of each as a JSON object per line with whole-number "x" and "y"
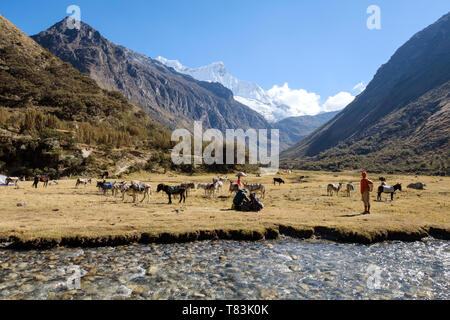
{"x": 299, "y": 102}
{"x": 338, "y": 102}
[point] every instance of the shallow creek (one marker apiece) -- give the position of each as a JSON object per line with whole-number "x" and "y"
{"x": 281, "y": 269}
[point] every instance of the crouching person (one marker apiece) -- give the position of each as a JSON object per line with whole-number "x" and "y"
{"x": 241, "y": 202}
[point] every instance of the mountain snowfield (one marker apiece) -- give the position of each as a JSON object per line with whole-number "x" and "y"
{"x": 275, "y": 104}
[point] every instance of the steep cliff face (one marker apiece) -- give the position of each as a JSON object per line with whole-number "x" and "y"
{"x": 402, "y": 116}
{"x": 171, "y": 98}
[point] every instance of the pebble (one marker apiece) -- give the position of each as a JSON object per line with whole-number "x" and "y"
{"x": 152, "y": 270}
{"x": 293, "y": 268}
{"x": 39, "y": 277}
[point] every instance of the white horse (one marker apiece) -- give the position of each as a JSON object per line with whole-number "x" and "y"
{"x": 334, "y": 188}
{"x": 210, "y": 189}
{"x": 134, "y": 189}
{"x": 83, "y": 181}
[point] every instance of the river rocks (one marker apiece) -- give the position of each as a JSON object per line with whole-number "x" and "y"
{"x": 39, "y": 277}
{"x": 199, "y": 295}
{"x": 152, "y": 270}
{"x": 291, "y": 269}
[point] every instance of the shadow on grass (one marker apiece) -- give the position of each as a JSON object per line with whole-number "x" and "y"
{"x": 352, "y": 215}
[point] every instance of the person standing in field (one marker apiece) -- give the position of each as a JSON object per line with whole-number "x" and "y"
{"x": 366, "y": 188}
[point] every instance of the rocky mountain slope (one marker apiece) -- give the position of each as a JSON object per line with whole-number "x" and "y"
{"x": 400, "y": 122}
{"x": 247, "y": 93}
{"x": 171, "y": 98}
{"x": 56, "y": 120}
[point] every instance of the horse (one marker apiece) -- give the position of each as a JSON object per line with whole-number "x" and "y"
{"x": 220, "y": 179}
{"x": 350, "y": 188}
{"x": 234, "y": 187}
{"x": 187, "y": 186}
{"x": 203, "y": 186}
{"x": 83, "y": 181}
{"x": 136, "y": 188}
{"x": 173, "y": 190}
{"x": 105, "y": 186}
{"x": 256, "y": 187}
{"x": 118, "y": 187}
{"x": 219, "y": 186}
{"x": 40, "y": 178}
{"x": 388, "y": 189}
{"x": 14, "y": 180}
{"x": 210, "y": 188}
{"x": 278, "y": 180}
{"x": 334, "y": 188}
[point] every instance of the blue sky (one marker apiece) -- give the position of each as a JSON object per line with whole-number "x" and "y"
{"x": 320, "y": 46}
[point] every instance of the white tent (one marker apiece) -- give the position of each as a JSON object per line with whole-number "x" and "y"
{"x": 3, "y": 180}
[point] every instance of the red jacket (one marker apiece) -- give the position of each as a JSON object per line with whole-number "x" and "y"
{"x": 365, "y": 185}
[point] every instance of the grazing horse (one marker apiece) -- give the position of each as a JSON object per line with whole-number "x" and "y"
{"x": 210, "y": 188}
{"x": 278, "y": 180}
{"x": 204, "y": 186}
{"x": 256, "y": 187}
{"x": 135, "y": 188}
{"x": 83, "y": 181}
{"x": 234, "y": 187}
{"x": 350, "y": 188}
{"x": 13, "y": 180}
{"x": 334, "y": 188}
{"x": 388, "y": 189}
{"x": 173, "y": 190}
{"x": 187, "y": 186}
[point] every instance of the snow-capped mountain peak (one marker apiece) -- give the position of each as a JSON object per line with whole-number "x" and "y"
{"x": 248, "y": 93}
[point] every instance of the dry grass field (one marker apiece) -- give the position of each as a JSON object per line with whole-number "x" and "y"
{"x": 62, "y": 214}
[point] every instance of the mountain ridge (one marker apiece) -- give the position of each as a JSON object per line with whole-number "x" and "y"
{"x": 171, "y": 98}
{"x": 406, "y": 94}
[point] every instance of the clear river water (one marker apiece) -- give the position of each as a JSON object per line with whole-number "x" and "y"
{"x": 280, "y": 269}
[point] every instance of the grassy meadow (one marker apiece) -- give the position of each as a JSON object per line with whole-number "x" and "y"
{"x": 62, "y": 211}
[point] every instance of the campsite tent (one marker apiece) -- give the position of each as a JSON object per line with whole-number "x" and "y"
{"x": 3, "y": 181}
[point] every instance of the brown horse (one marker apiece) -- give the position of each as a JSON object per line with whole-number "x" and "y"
{"x": 41, "y": 178}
